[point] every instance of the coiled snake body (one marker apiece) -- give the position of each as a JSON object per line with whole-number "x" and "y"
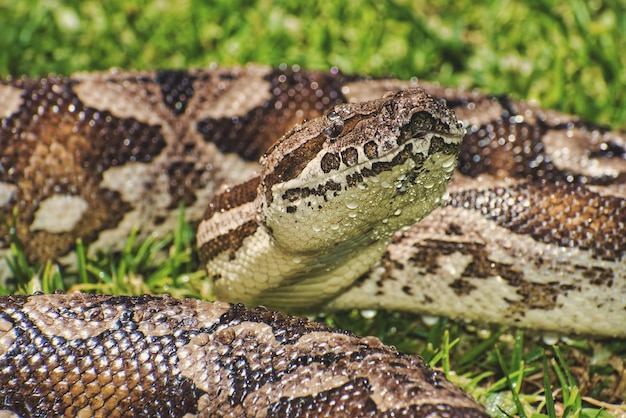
{"x": 531, "y": 235}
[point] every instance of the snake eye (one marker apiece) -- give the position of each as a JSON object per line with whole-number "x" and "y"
{"x": 334, "y": 124}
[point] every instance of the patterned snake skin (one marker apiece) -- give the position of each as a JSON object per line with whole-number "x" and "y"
{"x": 107, "y": 356}
{"x": 532, "y": 234}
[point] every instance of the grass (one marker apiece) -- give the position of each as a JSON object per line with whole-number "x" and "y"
{"x": 564, "y": 55}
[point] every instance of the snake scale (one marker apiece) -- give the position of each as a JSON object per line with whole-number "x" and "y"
{"x": 530, "y": 233}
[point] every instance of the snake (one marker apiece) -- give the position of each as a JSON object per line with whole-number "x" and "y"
{"x": 311, "y": 191}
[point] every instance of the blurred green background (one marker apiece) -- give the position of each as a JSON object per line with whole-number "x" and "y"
{"x": 569, "y": 55}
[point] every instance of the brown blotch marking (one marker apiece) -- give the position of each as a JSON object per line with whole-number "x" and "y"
{"x": 292, "y": 164}
{"x": 488, "y": 149}
{"x": 350, "y": 156}
{"x": 233, "y": 197}
{"x": 462, "y": 287}
{"x": 353, "y": 179}
{"x": 424, "y": 121}
{"x": 607, "y": 148}
{"x": 357, "y": 396}
{"x": 297, "y": 193}
{"x": 439, "y": 146}
{"x": 64, "y": 149}
{"x": 296, "y": 96}
{"x": 407, "y": 290}
{"x": 176, "y": 88}
{"x": 510, "y": 147}
{"x": 381, "y": 166}
{"x": 597, "y": 275}
{"x": 534, "y": 295}
{"x": 350, "y": 398}
{"x": 184, "y": 181}
{"x": 567, "y": 215}
{"x": 231, "y": 241}
{"x": 371, "y": 150}
{"x": 537, "y": 295}
{"x": 389, "y": 264}
{"x": 427, "y": 252}
{"x": 421, "y": 123}
{"x": 482, "y": 267}
{"x": 286, "y": 329}
{"x": 454, "y": 229}
{"x": 330, "y": 162}
{"x": 387, "y": 261}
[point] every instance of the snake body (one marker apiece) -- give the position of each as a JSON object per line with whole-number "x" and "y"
{"x": 105, "y": 356}
{"x": 531, "y": 233}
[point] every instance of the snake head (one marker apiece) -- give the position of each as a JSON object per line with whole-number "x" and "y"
{"x": 358, "y": 174}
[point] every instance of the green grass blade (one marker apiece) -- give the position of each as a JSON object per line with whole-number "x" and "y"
{"x": 513, "y": 387}
{"x": 547, "y": 388}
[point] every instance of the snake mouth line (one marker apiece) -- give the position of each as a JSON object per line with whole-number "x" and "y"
{"x": 437, "y": 144}
{"x": 355, "y": 175}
